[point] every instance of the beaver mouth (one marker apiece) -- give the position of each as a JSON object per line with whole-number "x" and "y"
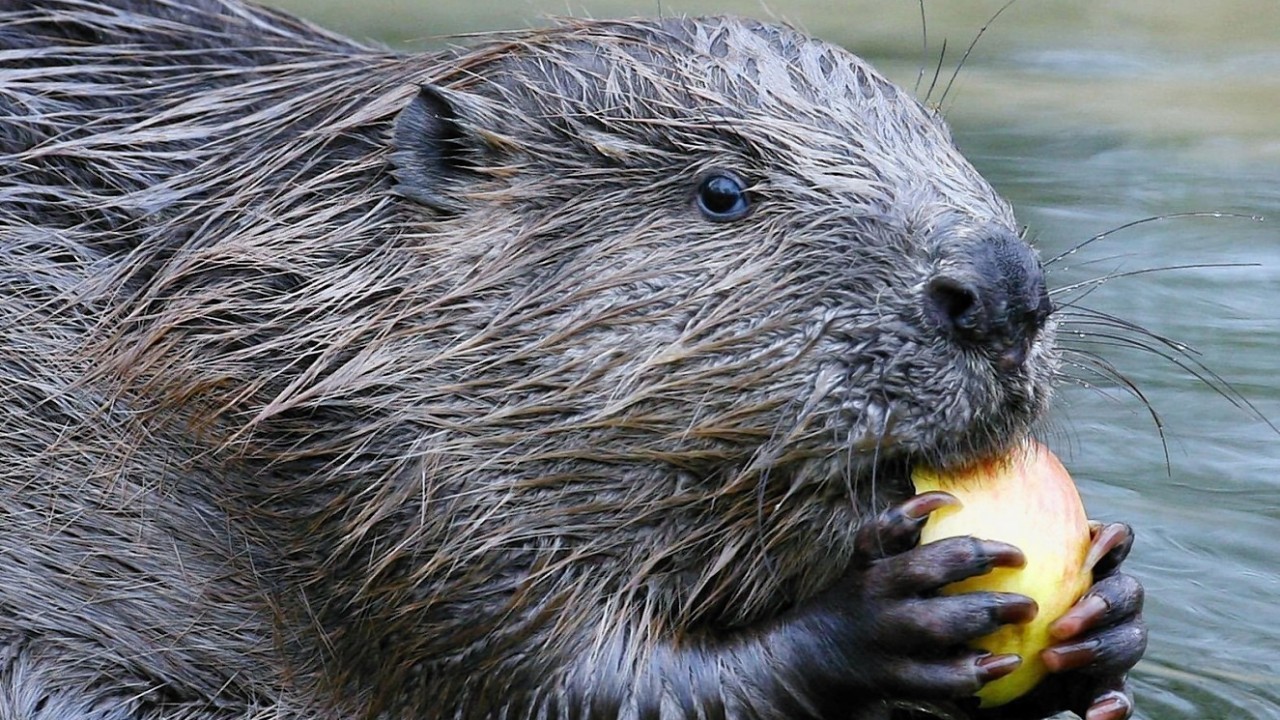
{"x": 887, "y": 443}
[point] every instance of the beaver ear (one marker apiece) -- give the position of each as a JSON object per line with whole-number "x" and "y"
{"x": 434, "y": 152}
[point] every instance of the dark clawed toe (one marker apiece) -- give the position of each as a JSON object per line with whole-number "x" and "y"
{"x": 994, "y": 667}
{"x": 1003, "y": 554}
{"x": 1110, "y": 652}
{"x": 1113, "y": 705}
{"x": 958, "y": 678}
{"x": 941, "y": 563}
{"x": 923, "y": 505}
{"x": 1015, "y": 609}
{"x": 897, "y": 529}
{"x": 1110, "y": 545}
{"x": 1061, "y": 658}
{"x": 950, "y": 621}
{"x": 1087, "y": 613}
{"x": 1110, "y": 601}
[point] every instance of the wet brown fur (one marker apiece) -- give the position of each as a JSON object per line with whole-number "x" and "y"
{"x": 297, "y": 422}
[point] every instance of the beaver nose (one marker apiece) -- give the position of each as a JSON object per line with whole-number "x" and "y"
{"x": 992, "y": 295}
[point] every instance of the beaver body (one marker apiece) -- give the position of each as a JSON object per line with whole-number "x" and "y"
{"x": 559, "y": 376}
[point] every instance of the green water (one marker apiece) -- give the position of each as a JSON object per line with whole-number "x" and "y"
{"x": 1088, "y": 115}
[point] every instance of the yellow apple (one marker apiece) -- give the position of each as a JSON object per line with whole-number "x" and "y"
{"x": 1026, "y": 499}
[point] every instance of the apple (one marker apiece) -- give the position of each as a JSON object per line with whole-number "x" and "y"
{"x": 1026, "y": 499}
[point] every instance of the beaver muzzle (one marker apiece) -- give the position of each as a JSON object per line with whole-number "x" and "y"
{"x": 992, "y": 296}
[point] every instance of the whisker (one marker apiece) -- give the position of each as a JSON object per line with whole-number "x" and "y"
{"x": 1143, "y": 221}
{"x": 1099, "y": 280}
{"x": 1092, "y": 316}
{"x": 972, "y": 45}
{"x": 924, "y": 48}
{"x": 937, "y": 73}
{"x": 1180, "y": 354}
{"x": 1103, "y": 368}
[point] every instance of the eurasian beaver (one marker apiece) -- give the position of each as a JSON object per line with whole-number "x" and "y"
{"x": 575, "y": 374}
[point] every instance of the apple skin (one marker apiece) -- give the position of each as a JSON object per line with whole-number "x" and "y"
{"x": 1025, "y": 498}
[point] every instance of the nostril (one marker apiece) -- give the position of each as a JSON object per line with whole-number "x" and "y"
{"x": 1040, "y": 316}
{"x": 954, "y": 305}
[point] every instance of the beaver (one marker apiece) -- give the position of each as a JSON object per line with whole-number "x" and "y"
{"x": 575, "y": 373}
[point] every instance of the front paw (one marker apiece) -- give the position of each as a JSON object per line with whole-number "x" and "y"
{"x": 901, "y": 638}
{"x": 1097, "y": 641}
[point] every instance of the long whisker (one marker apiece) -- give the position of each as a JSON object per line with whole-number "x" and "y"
{"x": 1143, "y": 221}
{"x": 924, "y": 48}
{"x": 1101, "y": 279}
{"x": 1180, "y": 354}
{"x": 937, "y": 73}
{"x": 1099, "y": 365}
{"x": 1078, "y": 315}
{"x": 981, "y": 31}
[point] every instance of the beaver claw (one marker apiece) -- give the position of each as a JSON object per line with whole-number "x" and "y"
{"x": 904, "y": 640}
{"x": 900, "y": 639}
{"x": 1098, "y": 641}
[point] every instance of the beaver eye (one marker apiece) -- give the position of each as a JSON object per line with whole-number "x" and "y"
{"x": 722, "y": 197}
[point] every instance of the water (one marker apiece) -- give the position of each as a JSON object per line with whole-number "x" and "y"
{"x": 1088, "y": 115}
